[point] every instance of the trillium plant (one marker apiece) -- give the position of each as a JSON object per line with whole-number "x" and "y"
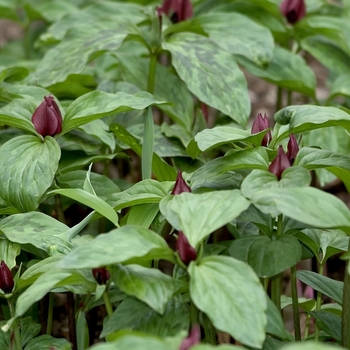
{"x": 143, "y": 205}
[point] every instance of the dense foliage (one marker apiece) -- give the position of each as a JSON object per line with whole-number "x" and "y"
{"x": 133, "y": 181}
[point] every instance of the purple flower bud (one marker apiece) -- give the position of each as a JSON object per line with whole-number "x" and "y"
{"x": 280, "y": 163}
{"x": 293, "y": 10}
{"x": 47, "y": 118}
{"x": 180, "y": 185}
{"x": 293, "y": 149}
{"x": 261, "y": 123}
{"x": 178, "y": 10}
{"x": 186, "y": 252}
{"x": 193, "y": 338}
{"x": 101, "y": 275}
{"x": 6, "y": 279}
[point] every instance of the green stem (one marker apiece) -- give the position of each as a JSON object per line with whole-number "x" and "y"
{"x": 307, "y": 326}
{"x": 279, "y": 99}
{"x": 15, "y": 328}
{"x": 318, "y": 306}
{"x": 276, "y": 281}
{"x": 296, "y": 317}
{"x": 152, "y": 73}
{"x": 346, "y": 308}
{"x": 108, "y": 304}
{"x": 289, "y": 97}
{"x": 193, "y": 314}
{"x": 59, "y": 209}
{"x": 50, "y": 315}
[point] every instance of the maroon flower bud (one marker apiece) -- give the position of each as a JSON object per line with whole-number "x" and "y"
{"x": 177, "y": 10}
{"x": 293, "y": 149}
{"x": 180, "y": 185}
{"x": 6, "y": 279}
{"x": 261, "y": 123}
{"x": 293, "y": 10}
{"x": 205, "y": 111}
{"x": 280, "y": 163}
{"x": 47, "y": 118}
{"x": 193, "y": 338}
{"x": 186, "y": 252}
{"x": 101, "y": 275}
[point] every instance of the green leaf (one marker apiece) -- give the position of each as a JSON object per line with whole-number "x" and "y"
{"x": 220, "y": 135}
{"x": 211, "y": 74}
{"x": 46, "y": 342}
{"x": 9, "y": 251}
{"x": 102, "y": 185}
{"x": 307, "y": 117}
{"x": 148, "y": 285}
{"x": 309, "y": 346}
{"x": 198, "y": 215}
{"x": 161, "y": 169}
{"x": 37, "y": 229}
{"x": 229, "y": 31}
{"x": 340, "y": 87}
{"x": 307, "y": 205}
{"x": 29, "y": 329}
{"x": 337, "y": 63}
{"x": 275, "y": 325}
{"x": 135, "y": 341}
{"x": 12, "y": 74}
{"x": 98, "y": 104}
{"x": 30, "y": 162}
{"x": 328, "y": 242}
{"x": 143, "y": 192}
{"x": 286, "y": 70}
{"x": 267, "y": 256}
{"x": 117, "y": 246}
{"x": 91, "y": 201}
{"x": 329, "y": 323}
{"x": 251, "y": 158}
{"x": 332, "y": 288}
{"x": 136, "y": 315}
{"x": 221, "y": 287}
{"x": 82, "y": 45}
{"x": 143, "y": 215}
{"x": 219, "y": 347}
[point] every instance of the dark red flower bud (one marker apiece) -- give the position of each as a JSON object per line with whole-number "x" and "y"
{"x": 101, "y": 275}
{"x": 293, "y": 149}
{"x": 6, "y": 279}
{"x": 261, "y": 123}
{"x": 180, "y": 185}
{"x": 293, "y": 10}
{"x": 47, "y": 118}
{"x": 280, "y": 163}
{"x": 193, "y": 338}
{"x": 177, "y": 10}
{"x": 205, "y": 111}
{"x": 186, "y": 252}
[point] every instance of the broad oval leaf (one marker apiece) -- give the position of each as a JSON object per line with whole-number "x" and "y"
{"x": 211, "y": 74}
{"x": 117, "y": 246}
{"x": 287, "y": 70}
{"x": 229, "y": 31}
{"x": 266, "y": 256}
{"x": 224, "y": 288}
{"x": 35, "y": 228}
{"x": 148, "y": 285}
{"x": 198, "y": 215}
{"x": 251, "y": 158}
{"x": 307, "y": 205}
{"x": 28, "y": 170}
{"x": 98, "y": 104}
{"x": 307, "y": 117}
{"x": 77, "y": 49}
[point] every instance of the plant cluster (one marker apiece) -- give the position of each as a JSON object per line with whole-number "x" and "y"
{"x": 132, "y": 181}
